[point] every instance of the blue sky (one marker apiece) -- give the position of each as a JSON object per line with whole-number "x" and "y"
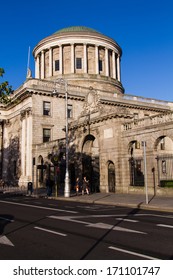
{"x": 143, "y": 29}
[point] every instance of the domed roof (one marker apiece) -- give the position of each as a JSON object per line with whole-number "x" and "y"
{"x": 76, "y": 29}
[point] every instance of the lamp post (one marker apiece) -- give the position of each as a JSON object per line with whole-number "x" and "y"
{"x": 145, "y": 171}
{"x": 66, "y": 181}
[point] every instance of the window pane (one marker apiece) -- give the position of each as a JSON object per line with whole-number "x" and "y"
{"x": 78, "y": 63}
{"x": 70, "y": 111}
{"x": 57, "y": 65}
{"x": 46, "y": 135}
{"x": 46, "y": 108}
{"x": 100, "y": 65}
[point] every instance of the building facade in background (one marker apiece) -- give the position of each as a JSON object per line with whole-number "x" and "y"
{"x": 107, "y": 128}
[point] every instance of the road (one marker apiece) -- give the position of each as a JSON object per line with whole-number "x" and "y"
{"x": 40, "y": 229}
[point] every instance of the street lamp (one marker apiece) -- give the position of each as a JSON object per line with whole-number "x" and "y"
{"x": 145, "y": 170}
{"x": 62, "y": 81}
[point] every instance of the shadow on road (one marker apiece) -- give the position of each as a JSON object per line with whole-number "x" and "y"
{"x": 117, "y": 223}
{"x": 4, "y": 220}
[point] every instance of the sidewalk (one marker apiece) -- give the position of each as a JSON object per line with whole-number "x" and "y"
{"x": 158, "y": 203}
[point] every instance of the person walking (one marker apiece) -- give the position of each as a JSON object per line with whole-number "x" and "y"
{"x": 77, "y": 186}
{"x": 85, "y": 186}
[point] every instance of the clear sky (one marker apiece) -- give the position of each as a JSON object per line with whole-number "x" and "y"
{"x": 143, "y": 29}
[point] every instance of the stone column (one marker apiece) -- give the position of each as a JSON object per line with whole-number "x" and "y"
{"x": 85, "y": 58}
{"x": 50, "y": 62}
{"x": 29, "y": 144}
{"x": 23, "y": 144}
{"x": 37, "y": 67}
{"x": 106, "y": 63}
{"x": 42, "y": 64}
{"x": 118, "y": 68}
{"x": 113, "y": 65}
{"x": 60, "y": 59}
{"x": 97, "y": 59}
{"x": 72, "y": 58}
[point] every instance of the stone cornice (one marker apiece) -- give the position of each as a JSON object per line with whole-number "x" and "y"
{"x": 46, "y": 87}
{"x": 89, "y": 38}
{"x": 136, "y": 104}
{"x": 88, "y": 121}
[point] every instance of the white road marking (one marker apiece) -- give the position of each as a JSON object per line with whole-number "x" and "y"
{"x": 69, "y": 219}
{"x": 132, "y": 253}
{"x": 39, "y": 207}
{"x": 127, "y": 220}
{"x": 5, "y": 241}
{"x": 107, "y": 226}
{"x": 94, "y": 225}
{"x": 162, "y": 225}
{"x": 50, "y": 231}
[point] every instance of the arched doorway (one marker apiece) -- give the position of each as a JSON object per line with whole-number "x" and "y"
{"x": 90, "y": 162}
{"x": 136, "y": 164}
{"x": 111, "y": 177}
{"x": 164, "y": 149}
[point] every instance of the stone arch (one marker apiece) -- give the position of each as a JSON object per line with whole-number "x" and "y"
{"x": 163, "y": 147}
{"x": 163, "y": 144}
{"x": 111, "y": 176}
{"x": 134, "y": 147}
{"x": 136, "y": 164}
{"x": 90, "y": 161}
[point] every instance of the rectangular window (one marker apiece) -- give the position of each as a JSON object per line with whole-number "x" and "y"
{"x": 100, "y": 65}
{"x": 70, "y": 111}
{"x": 46, "y": 135}
{"x": 57, "y": 65}
{"x": 164, "y": 166}
{"x": 136, "y": 116}
{"x": 46, "y": 108}
{"x": 78, "y": 63}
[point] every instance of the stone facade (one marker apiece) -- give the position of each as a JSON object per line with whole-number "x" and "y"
{"x": 106, "y": 126}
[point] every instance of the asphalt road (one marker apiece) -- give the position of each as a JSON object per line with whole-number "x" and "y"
{"x": 43, "y": 229}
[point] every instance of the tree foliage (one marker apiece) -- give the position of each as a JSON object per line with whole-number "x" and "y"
{"x": 5, "y": 89}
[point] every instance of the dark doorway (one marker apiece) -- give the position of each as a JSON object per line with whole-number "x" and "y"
{"x": 90, "y": 162}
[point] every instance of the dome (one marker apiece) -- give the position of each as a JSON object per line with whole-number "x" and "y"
{"x": 76, "y": 29}
{"x": 82, "y": 55}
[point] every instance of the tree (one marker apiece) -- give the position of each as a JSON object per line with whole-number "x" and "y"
{"x": 5, "y": 89}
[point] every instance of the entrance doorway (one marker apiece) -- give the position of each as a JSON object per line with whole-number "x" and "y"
{"x": 90, "y": 162}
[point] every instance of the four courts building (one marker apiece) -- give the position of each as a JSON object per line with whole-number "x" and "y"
{"x": 78, "y": 79}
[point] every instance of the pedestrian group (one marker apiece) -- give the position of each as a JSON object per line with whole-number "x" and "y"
{"x": 84, "y": 187}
